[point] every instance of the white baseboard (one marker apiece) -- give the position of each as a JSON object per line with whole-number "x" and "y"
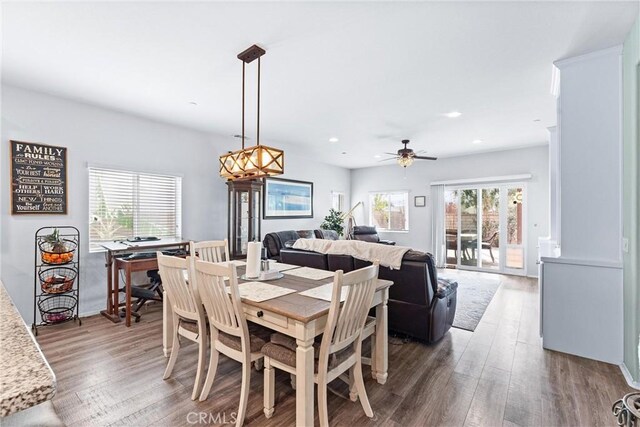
{"x": 628, "y": 377}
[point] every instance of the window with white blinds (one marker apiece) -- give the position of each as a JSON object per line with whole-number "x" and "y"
{"x": 125, "y": 204}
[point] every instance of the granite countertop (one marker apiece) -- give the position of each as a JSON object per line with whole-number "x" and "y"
{"x": 26, "y": 379}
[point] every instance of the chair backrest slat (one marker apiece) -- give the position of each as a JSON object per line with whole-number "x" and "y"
{"x": 210, "y": 250}
{"x": 346, "y": 321}
{"x": 183, "y": 296}
{"x": 223, "y": 308}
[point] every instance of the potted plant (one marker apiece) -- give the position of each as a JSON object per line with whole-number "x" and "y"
{"x": 334, "y": 221}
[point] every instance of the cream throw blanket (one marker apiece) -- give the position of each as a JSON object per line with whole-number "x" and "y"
{"x": 388, "y": 255}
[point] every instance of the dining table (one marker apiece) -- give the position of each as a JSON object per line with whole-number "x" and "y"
{"x": 303, "y": 318}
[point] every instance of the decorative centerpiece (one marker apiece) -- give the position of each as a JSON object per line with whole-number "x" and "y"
{"x": 55, "y": 249}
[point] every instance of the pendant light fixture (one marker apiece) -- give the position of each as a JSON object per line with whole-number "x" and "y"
{"x": 257, "y": 161}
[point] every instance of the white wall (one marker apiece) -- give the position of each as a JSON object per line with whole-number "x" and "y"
{"x": 326, "y": 178}
{"x": 420, "y": 175}
{"x": 98, "y": 136}
{"x": 631, "y": 201}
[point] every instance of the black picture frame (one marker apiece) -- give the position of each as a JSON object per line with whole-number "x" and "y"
{"x": 38, "y": 176}
{"x": 420, "y": 201}
{"x": 275, "y": 208}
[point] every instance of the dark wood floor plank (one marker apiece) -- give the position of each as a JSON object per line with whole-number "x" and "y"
{"x": 487, "y": 406}
{"x": 497, "y": 375}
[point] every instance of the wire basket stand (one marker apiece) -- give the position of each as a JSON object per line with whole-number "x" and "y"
{"x": 56, "y": 279}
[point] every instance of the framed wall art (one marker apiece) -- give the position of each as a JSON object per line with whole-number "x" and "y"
{"x": 286, "y": 198}
{"x": 38, "y": 179}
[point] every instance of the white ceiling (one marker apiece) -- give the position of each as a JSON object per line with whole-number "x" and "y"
{"x": 367, "y": 73}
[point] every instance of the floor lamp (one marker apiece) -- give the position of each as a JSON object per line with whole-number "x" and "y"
{"x": 350, "y": 221}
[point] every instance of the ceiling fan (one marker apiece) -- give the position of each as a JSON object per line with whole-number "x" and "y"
{"x": 405, "y": 156}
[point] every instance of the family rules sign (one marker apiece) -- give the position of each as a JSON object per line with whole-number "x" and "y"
{"x": 38, "y": 178}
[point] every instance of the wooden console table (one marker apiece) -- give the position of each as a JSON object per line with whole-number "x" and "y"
{"x": 114, "y": 264}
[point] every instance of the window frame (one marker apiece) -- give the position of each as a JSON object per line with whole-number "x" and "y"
{"x": 136, "y": 215}
{"x": 341, "y": 200}
{"x": 406, "y": 194}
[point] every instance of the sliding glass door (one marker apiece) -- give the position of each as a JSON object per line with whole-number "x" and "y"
{"x": 484, "y": 228}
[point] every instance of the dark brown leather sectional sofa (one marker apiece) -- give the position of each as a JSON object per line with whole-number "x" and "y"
{"x": 421, "y": 305}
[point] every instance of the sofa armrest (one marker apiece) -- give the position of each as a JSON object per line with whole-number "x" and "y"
{"x": 445, "y": 287}
{"x": 387, "y": 242}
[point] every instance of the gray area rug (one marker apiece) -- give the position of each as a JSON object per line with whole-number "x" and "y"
{"x": 475, "y": 292}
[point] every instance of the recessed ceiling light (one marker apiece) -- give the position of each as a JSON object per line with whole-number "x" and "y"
{"x": 377, "y": 156}
{"x": 453, "y": 114}
{"x": 476, "y": 141}
{"x": 536, "y": 120}
{"x": 333, "y": 139}
{"x": 193, "y": 103}
{"x": 344, "y": 152}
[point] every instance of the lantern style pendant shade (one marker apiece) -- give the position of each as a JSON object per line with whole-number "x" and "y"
{"x": 252, "y": 163}
{"x": 260, "y": 160}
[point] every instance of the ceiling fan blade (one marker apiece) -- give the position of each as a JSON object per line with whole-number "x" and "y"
{"x": 419, "y": 152}
{"x": 391, "y": 154}
{"x": 384, "y": 160}
{"x": 425, "y": 158}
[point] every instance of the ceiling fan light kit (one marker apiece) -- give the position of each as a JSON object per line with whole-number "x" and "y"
{"x": 260, "y": 160}
{"x": 405, "y": 156}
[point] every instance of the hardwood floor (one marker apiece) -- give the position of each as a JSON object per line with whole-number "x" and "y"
{"x": 498, "y": 375}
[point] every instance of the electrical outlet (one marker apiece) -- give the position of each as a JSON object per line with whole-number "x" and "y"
{"x": 625, "y": 245}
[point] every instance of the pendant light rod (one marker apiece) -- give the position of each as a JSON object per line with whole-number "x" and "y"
{"x": 247, "y": 56}
{"x": 258, "y": 123}
{"x": 243, "y": 65}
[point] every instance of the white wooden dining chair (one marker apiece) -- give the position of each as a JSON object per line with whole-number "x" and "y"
{"x": 230, "y": 334}
{"x": 210, "y": 250}
{"x": 189, "y": 320}
{"x": 341, "y": 346}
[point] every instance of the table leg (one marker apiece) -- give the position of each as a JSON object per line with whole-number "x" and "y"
{"x": 304, "y": 374}
{"x": 167, "y": 325}
{"x": 115, "y": 292}
{"x": 111, "y": 311}
{"x": 109, "y": 283}
{"x": 127, "y": 286}
{"x": 381, "y": 364}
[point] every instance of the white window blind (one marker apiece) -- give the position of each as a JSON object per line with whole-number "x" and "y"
{"x": 124, "y": 204}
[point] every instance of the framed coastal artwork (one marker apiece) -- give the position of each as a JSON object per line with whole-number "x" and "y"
{"x": 287, "y": 198}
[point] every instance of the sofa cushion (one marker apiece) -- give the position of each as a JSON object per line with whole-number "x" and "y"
{"x": 306, "y": 234}
{"x": 275, "y": 241}
{"x": 304, "y": 258}
{"x": 326, "y": 234}
{"x": 417, "y": 256}
{"x": 340, "y": 262}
